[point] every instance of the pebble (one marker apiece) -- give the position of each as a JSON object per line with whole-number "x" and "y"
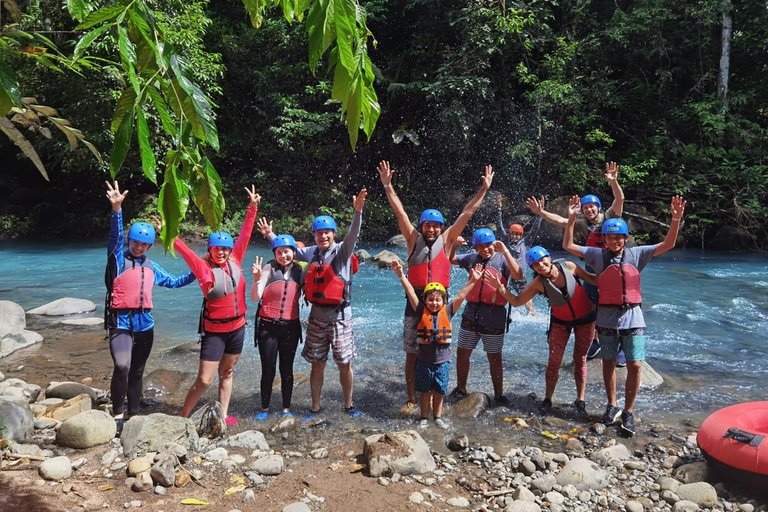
{"x": 416, "y": 497}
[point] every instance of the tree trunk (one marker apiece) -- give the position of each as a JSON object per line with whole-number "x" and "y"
{"x": 725, "y": 56}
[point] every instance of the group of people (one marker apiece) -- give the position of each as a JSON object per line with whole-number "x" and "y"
{"x": 599, "y": 302}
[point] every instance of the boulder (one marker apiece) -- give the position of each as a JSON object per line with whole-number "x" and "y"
{"x": 471, "y": 406}
{"x": 17, "y": 388}
{"x": 68, "y": 409}
{"x": 582, "y": 474}
{"x": 617, "y": 451}
{"x": 56, "y": 468}
{"x": 162, "y": 382}
{"x": 362, "y": 255}
{"x": 250, "y": 439}
{"x": 88, "y": 321}
{"x": 384, "y": 259}
{"x": 649, "y": 378}
{"x": 65, "y": 306}
{"x": 405, "y": 453}
{"x": 397, "y": 240}
{"x": 153, "y": 432}
{"x": 18, "y": 422}
{"x": 66, "y": 390}
{"x": 270, "y": 465}
{"x": 12, "y": 342}
{"x": 700, "y": 493}
{"x": 86, "y": 429}
{"x": 13, "y": 320}
{"x": 693, "y": 472}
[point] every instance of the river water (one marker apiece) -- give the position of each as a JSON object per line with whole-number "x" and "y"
{"x": 707, "y": 316}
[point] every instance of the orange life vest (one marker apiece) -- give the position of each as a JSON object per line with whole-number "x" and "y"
{"x": 434, "y": 327}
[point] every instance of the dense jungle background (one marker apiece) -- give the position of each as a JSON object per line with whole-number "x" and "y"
{"x": 546, "y": 91}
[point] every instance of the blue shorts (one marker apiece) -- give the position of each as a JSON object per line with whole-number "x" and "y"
{"x": 432, "y": 377}
{"x": 631, "y": 341}
{"x": 215, "y": 344}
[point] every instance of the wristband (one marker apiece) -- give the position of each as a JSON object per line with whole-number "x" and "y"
{"x": 388, "y": 185}
{"x": 678, "y": 220}
{"x": 502, "y": 289}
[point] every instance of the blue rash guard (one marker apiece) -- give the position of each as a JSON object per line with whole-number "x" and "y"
{"x": 142, "y": 321}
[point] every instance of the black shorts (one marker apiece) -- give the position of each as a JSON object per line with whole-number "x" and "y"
{"x": 216, "y": 344}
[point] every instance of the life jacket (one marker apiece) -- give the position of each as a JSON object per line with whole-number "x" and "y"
{"x": 280, "y": 298}
{"x": 427, "y": 332}
{"x": 221, "y": 304}
{"x": 596, "y": 237}
{"x": 571, "y": 306}
{"x": 132, "y": 288}
{"x": 619, "y": 283}
{"x": 428, "y": 263}
{"x": 323, "y": 285}
{"x": 482, "y": 292}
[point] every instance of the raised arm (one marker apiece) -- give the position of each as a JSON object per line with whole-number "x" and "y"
{"x": 574, "y": 205}
{"x": 528, "y": 293}
{"x": 260, "y": 276}
{"x": 350, "y": 239}
{"x": 450, "y": 235}
{"x": 676, "y": 208}
{"x": 410, "y": 293}
{"x": 612, "y": 175}
{"x": 514, "y": 269}
{"x": 501, "y": 229}
{"x": 475, "y": 274}
{"x": 247, "y": 228}
{"x": 116, "y": 199}
{"x": 404, "y": 223}
{"x": 533, "y": 232}
{"x": 537, "y": 207}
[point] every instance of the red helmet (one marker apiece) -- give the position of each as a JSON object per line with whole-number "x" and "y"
{"x": 516, "y": 228}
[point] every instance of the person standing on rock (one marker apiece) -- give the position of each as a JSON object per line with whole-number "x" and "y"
{"x": 129, "y": 278}
{"x": 570, "y": 310}
{"x": 429, "y": 248}
{"x": 484, "y": 317}
{"x": 220, "y": 275}
{"x": 433, "y": 334}
{"x": 327, "y": 284}
{"x": 620, "y": 320}
{"x": 277, "y": 285}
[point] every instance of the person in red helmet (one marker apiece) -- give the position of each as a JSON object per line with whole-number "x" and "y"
{"x": 430, "y": 246}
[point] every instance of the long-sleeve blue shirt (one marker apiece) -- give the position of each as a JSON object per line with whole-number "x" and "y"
{"x": 520, "y": 247}
{"x": 142, "y": 321}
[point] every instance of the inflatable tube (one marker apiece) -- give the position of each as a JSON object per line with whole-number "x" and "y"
{"x": 735, "y": 441}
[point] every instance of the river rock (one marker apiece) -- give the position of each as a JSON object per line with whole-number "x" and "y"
{"x": 522, "y": 493}
{"x": 153, "y": 432}
{"x": 18, "y": 421}
{"x": 87, "y": 429}
{"x": 685, "y": 506}
{"x": 384, "y": 259}
{"x": 458, "y": 443}
{"x": 56, "y": 468}
{"x": 701, "y": 493}
{"x": 693, "y": 472}
{"x": 363, "y": 255}
{"x": 402, "y": 452}
{"x": 397, "y": 240}
{"x": 471, "y": 406}
{"x": 17, "y": 388}
{"x": 25, "y": 449}
{"x": 142, "y": 483}
{"x": 139, "y": 465}
{"x": 65, "y": 306}
{"x": 162, "y": 382}
{"x": 298, "y": 506}
{"x": 68, "y": 409}
{"x": 12, "y": 342}
{"x": 270, "y": 465}
{"x": 250, "y": 439}
{"x": 12, "y": 318}
{"x": 164, "y": 472}
{"x": 522, "y": 506}
{"x": 88, "y": 321}
{"x": 617, "y": 451}
{"x": 459, "y": 502}
{"x": 67, "y": 389}
{"x": 582, "y": 474}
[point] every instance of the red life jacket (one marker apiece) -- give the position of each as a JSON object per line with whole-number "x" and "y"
{"x": 596, "y": 237}
{"x": 280, "y": 299}
{"x": 323, "y": 285}
{"x": 571, "y": 306}
{"x": 429, "y": 263}
{"x": 222, "y": 303}
{"x": 132, "y": 289}
{"x": 484, "y": 293}
{"x": 427, "y": 332}
{"x": 619, "y": 284}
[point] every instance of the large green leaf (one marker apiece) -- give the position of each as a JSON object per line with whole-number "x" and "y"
{"x": 199, "y": 100}
{"x": 124, "y": 105}
{"x": 122, "y": 143}
{"x": 148, "y": 162}
{"x": 87, "y": 40}
{"x": 354, "y": 108}
{"x": 345, "y": 23}
{"x": 162, "y": 110}
{"x": 79, "y": 9}
{"x": 207, "y": 193}
{"x": 10, "y": 94}
{"x": 320, "y": 26}
{"x": 109, "y": 12}
{"x": 172, "y": 203}
{"x": 255, "y": 9}
{"x": 10, "y": 130}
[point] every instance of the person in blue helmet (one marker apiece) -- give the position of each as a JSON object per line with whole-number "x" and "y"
{"x": 620, "y": 320}
{"x": 327, "y": 286}
{"x": 277, "y": 287}
{"x": 485, "y": 315}
{"x": 129, "y": 278}
{"x": 587, "y": 231}
{"x": 429, "y": 247}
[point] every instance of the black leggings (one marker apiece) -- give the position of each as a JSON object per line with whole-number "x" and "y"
{"x": 130, "y": 356}
{"x": 274, "y": 339}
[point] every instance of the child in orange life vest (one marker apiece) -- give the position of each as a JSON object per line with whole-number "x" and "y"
{"x": 620, "y": 320}
{"x": 433, "y": 361}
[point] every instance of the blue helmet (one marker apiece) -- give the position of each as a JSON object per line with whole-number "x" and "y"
{"x": 284, "y": 241}
{"x": 323, "y": 222}
{"x": 534, "y": 254}
{"x": 142, "y": 232}
{"x": 220, "y": 239}
{"x": 483, "y": 236}
{"x": 431, "y": 216}
{"x": 615, "y": 227}
{"x": 590, "y": 199}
